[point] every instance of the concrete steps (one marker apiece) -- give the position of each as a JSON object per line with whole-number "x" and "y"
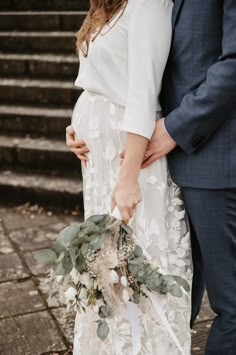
{"x": 38, "y": 67}
{"x": 54, "y": 192}
{"x": 41, "y": 21}
{"x": 26, "y": 153}
{"x": 46, "y": 93}
{"x": 40, "y": 42}
{"x": 63, "y": 67}
{"x": 34, "y": 121}
{"x": 45, "y": 5}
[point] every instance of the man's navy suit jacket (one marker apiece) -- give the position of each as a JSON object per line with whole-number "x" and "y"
{"x": 199, "y": 93}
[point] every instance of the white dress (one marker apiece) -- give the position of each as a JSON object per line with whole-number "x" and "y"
{"x": 122, "y": 80}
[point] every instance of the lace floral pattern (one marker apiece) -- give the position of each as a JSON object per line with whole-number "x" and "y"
{"x": 160, "y": 227}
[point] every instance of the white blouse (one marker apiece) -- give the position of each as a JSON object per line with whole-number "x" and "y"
{"x": 126, "y": 63}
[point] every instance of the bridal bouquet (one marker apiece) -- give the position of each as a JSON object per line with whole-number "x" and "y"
{"x": 105, "y": 268}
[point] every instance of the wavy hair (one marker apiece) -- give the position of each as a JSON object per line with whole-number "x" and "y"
{"x": 101, "y": 12}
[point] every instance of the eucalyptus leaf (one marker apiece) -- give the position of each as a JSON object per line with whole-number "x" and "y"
{"x": 74, "y": 251}
{"x": 80, "y": 263}
{"x": 96, "y": 243}
{"x": 58, "y": 248}
{"x": 105, "y": 312}
{"x": 126, "y": 228}
{"x": 182, "y": 282}
{"x": 138, "y": 251}
{"x": 103, "y": 330}
{"x": 84, "y": 249}
{"x": 59, "y": 270}
{"x": 176, "y": 290}
{"x": 68, "y": 234}
{"x": 90, "y": 229}
{"x": 99, "y": 219}
{"x": 46, "y": 256}
{"x": 138, "y": 260}
{"x": 67, "y": 265}
{"x": 133, "y": 269}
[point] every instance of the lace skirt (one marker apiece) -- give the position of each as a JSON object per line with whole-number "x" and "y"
{"x": 160, "y": 227}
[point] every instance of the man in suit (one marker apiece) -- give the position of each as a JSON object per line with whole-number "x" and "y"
{"x": 199, "y": 133}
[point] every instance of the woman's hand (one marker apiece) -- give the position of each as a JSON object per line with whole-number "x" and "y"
{"x": 126, "y": 196}
{"x": 78, "y": 147}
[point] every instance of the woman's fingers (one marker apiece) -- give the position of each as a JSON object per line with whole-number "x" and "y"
{"x": 149, "y": 161}
{"x": 79, "y": 151}
{"x": 70, "y": 130}
{"x": 124, "y": 212}
{"x": 76, "y": 146}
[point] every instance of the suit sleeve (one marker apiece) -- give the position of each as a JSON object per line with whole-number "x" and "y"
{"x": 149, "y": 39}
{"x": 204, "y": 110}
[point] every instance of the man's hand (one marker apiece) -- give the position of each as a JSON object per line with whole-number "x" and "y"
{"x": 77, "y": 147}
{"x": 160, "y": 144}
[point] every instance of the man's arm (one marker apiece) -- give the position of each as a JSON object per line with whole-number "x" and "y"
{"x": 204, "y": 110}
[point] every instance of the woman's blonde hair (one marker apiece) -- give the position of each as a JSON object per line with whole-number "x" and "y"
{"x": 100, "y": 13}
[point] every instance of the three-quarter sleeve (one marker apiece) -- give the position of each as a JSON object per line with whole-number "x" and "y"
{"x": 149, "y": 40}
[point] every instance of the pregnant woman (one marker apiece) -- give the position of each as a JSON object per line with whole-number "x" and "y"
{"x": 123, "y": 48}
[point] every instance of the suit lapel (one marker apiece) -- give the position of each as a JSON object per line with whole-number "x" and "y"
{"x": 176, "y": 10}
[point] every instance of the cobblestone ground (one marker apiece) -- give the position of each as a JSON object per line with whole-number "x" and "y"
{"x": 30, "y": 324}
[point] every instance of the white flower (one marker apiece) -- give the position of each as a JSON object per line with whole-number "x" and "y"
{"x": 113, "y": 277}
{"x": 70, "y": 294}
{"x": 75, "y": 276}
{"x": 59, "y": 278}
{"x": 125, "y": 296}
{"x": 85, "y": 279}
{"x": 124, "y": 281}
{"x": 154, "y": 263}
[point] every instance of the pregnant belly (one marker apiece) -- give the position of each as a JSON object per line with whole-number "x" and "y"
{"x": 97, "y": 121}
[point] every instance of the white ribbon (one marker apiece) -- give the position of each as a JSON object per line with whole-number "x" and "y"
{"x": 133, "y": 315}
{"x": 134, "y": 324}
{"x": 156, "y": 304}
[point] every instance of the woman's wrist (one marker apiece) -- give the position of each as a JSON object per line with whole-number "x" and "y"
{"x": 128, "y": 176}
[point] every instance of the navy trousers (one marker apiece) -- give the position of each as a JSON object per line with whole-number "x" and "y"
{"x": 213, "y": 220}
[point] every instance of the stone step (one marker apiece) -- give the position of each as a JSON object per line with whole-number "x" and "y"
{"x": 44, "y": 93}
{"x": 38, "y": 42}
{"x": 45, "y": 5}
{"x": 35, "y": 121}
{"x": 38, "y": 154}
{"x": 39, "y": 66}
{"x": 56, "y": 192}
{"x": 41, "y": 21}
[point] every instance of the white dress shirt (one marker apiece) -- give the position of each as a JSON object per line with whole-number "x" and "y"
{"x": 126, "y": 63}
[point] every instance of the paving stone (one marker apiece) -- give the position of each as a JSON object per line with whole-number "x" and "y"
{"x": 11, "y": 268}
{"x": 31, "y": 334}
{"x": 66, "y": 321}
{"x": 32, "y": 239}
{"x": 199, "y": 335}
{"x": 5, "y": 245}
{"x": 19, "y": 298}
{"x": 14, "y": 221}
{"x": 206, "y": 313}
{"x": 33, "y": 265}
{"x": 54, "y": 297}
